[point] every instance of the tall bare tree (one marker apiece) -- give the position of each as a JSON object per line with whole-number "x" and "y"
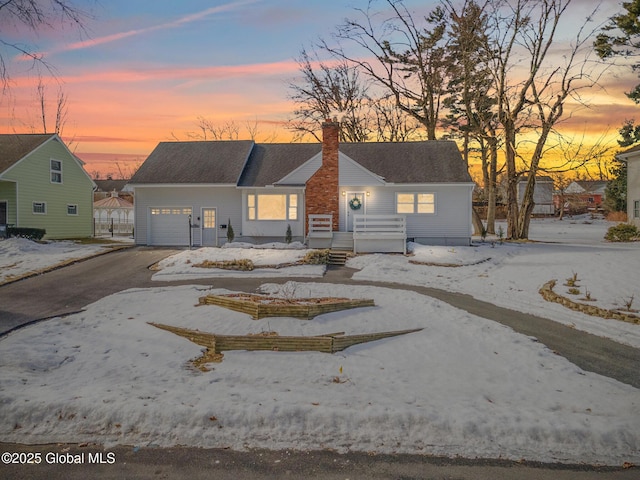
{"x": 409, "y": 56}
{"x": 61, "y": 110}
{"x": 525, "y": 31}
{"x": 327, "y": 90}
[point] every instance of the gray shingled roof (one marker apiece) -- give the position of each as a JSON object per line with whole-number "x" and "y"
{"x": 435, "y": 161}
{"x": 195, "y": 162}
{"x": 270, "y": 162}
{"x": 223, "y": 162}
{"x": 14, "y": 147}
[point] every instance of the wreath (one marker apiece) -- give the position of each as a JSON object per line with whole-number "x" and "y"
{"x": 355, "y": 203}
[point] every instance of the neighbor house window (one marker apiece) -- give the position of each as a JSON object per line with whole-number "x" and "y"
{"x": 416, "y": 203}
{"x": 40, "y": 208}
{"x": 72, "y": 209}
{"x": 636, "y": 209}
{"x": 272, "y": 207}
{"x": 56, "y": 171}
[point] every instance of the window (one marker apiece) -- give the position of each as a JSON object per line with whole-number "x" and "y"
{"x": 636, "y": 209}
{"x": 72, "y": 209}
{"x": 171, "y": 211}
{"x": 209, "y": 218}
{"x": 40, "y": 208}
{"x": 272, "y": 207}
{"x": 293, "y": 206}
{"x": 56, "y": 171}
{"x": 416, "y": 203}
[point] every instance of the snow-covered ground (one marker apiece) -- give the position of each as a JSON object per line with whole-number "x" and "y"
{"x": 20, "y": 257}
{"x": 462, "y": 386}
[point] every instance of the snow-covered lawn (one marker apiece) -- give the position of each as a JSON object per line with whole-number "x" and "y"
{"x": 20, "y": 257}
{"x": 462, "y": 386}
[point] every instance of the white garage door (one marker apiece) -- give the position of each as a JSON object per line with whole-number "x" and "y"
{"x": 169, "y": 226}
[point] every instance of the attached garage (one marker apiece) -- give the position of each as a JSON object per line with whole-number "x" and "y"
{"x": 169, "y": 226}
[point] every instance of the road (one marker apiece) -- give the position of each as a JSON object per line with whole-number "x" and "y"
{"x": 69, "y": 289}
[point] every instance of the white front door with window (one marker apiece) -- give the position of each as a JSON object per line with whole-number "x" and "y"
{"x": 209, "y": 231}
{"x": 354, "y": 205}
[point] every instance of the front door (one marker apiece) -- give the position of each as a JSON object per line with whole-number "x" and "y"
{"x": 354, "y": 206}
{"x": 209, "y": 231}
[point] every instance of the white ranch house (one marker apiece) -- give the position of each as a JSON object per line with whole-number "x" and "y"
{"x": 367, "y": 196}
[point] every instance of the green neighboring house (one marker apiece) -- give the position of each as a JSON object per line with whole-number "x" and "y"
{"x": 43, "y": 185}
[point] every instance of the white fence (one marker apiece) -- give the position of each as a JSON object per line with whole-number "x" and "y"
{"x": 105, "y": 227}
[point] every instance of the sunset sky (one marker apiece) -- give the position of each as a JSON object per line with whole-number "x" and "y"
{"x": 145, "y": 70}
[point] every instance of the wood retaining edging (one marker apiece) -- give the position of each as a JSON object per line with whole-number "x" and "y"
{"x": 305, "y": 311}
{"x": 329, "y": 343}
{"x": 550, "y": 296}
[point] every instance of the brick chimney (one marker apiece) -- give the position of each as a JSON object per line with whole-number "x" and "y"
{"x": 322, "y": 192}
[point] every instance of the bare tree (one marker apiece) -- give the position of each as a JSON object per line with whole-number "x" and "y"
{"x": 409, "y": 57}
{"x": 61, "y": 109}
{"x": 392, "y": 124}
{"x": 525, "y": 30}
{"x": 327, "y": 91}
{"x": 34, "y": 15}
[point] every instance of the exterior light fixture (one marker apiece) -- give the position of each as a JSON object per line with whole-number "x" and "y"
{"x": 344, "y": 194}
{"x": 368, "y": 194}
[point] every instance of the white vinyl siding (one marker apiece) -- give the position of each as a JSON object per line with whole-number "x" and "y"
{"x": 351, "y": 173}
{"x": 452, "y": 204}
{"x": 227, "y": 199}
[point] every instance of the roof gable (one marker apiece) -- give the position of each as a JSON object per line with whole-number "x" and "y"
{"x": 14, "y": 147}
{"x": 272, "y": 163}
{"x": 205, "y": 162}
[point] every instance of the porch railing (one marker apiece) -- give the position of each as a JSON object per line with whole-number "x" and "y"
{"x": 320, "y": 225}
{"x": 380, "y": 228}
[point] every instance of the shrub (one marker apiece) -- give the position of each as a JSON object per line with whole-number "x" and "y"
{"x": 30, "y": 233}
{"x": 243, "y": 264}
{"x": 623, "y": 232}
{"x": 288, "y": 235}
{"x": 230, "y": 233}
{"x": 317, "y": 257}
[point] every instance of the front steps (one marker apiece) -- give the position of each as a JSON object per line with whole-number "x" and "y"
{"x": 337, "y": 257}
{"x": 342, "y": 241}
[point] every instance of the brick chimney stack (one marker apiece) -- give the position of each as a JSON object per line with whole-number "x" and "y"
{"x": 322, "y": 192}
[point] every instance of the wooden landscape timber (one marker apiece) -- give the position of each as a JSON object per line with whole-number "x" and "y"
{"x": 328, "y": 343}
{"x": 303, "y": 308}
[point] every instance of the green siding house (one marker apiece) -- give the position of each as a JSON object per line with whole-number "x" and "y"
{"x": 43, "y": 185}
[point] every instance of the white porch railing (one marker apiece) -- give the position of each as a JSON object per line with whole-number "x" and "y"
{"x": 320, "y": 225}
{"x": 380, "y": 233}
